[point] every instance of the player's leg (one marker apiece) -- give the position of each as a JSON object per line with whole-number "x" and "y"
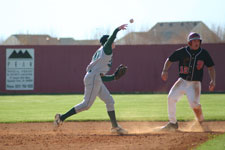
{"x": 176, "y": 92}
{"x": 92, "y": 86}
{"x": 105, "y": 96}
{"x": 91, "y": 92}
{"x": 89, "y": 97}
{"x": 193, "y": 94}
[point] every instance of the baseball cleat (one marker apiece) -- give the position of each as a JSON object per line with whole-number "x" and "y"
{"x": 170, "y": 127}
{"x": 57, "y": 121}
{"x": 118, "y": 130}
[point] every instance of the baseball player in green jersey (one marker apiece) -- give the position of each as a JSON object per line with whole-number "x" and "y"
{"x": 96, "y": 74}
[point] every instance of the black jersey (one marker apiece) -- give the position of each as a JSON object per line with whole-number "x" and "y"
{"x": 191, "y": 62}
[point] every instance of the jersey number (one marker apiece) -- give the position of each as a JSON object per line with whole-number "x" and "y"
{"x": 96, "y": 55}
{"x": 200, "y": 64}
{"x": 184, "y": 69}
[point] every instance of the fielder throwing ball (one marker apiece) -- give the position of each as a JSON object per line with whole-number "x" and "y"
{"x": 192, "y": 59}
{"x": 96, "y": 73}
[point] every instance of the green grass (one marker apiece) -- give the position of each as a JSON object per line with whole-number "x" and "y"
{"x": 217, "y": 143}
{"x": 132, "y": 107}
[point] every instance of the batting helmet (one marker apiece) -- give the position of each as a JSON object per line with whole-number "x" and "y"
{"x": 103, "y": 39}
{"x": 194, "y": 36}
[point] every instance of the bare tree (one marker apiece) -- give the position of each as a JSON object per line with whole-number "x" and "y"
{"x": 219, "y": 31}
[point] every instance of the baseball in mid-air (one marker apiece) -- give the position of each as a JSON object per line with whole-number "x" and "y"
{"x": 131, "y": 20}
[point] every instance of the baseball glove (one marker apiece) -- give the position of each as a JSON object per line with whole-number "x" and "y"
{"x": 120, "y": 71}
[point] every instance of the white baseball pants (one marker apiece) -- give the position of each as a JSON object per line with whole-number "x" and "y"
{"x": 191, "y": 88}
{"x": 94, "y": 87}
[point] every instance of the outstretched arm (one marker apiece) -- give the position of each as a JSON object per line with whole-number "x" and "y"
{"x": 108, "y": 45}
{"x": 164, "y": 74}
{"x": 212, "y": 74}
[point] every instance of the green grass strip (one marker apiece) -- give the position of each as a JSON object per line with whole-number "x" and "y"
{"x": 129, "y": 107}
{"x": 217, "y": 143}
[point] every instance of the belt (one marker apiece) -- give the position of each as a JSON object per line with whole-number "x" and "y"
{"x": 101, "y": 74}
{"x": 188, "y": 79}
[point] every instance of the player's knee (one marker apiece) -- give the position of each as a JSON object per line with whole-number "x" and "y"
{"x": 110, "y": 106}
{"x": 171, "y": 99}
{"x": 85, "y": 106}
{"x": 195, "y": 105}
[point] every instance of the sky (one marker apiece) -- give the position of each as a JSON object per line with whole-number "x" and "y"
{"x": 89, "y": 19}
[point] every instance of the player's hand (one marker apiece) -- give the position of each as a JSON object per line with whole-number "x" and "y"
{"x": 164, "y": 75}
{"x": 123, "y": 27}
{"x": 212, "y": 85}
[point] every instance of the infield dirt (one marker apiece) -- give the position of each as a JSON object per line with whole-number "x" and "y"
{"x": 97, "y": 136}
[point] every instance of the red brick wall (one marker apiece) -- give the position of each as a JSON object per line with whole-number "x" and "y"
{"x": 60, "y": 69}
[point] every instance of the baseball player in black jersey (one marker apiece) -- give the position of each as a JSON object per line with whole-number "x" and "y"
{"x": 192, "y": 59}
